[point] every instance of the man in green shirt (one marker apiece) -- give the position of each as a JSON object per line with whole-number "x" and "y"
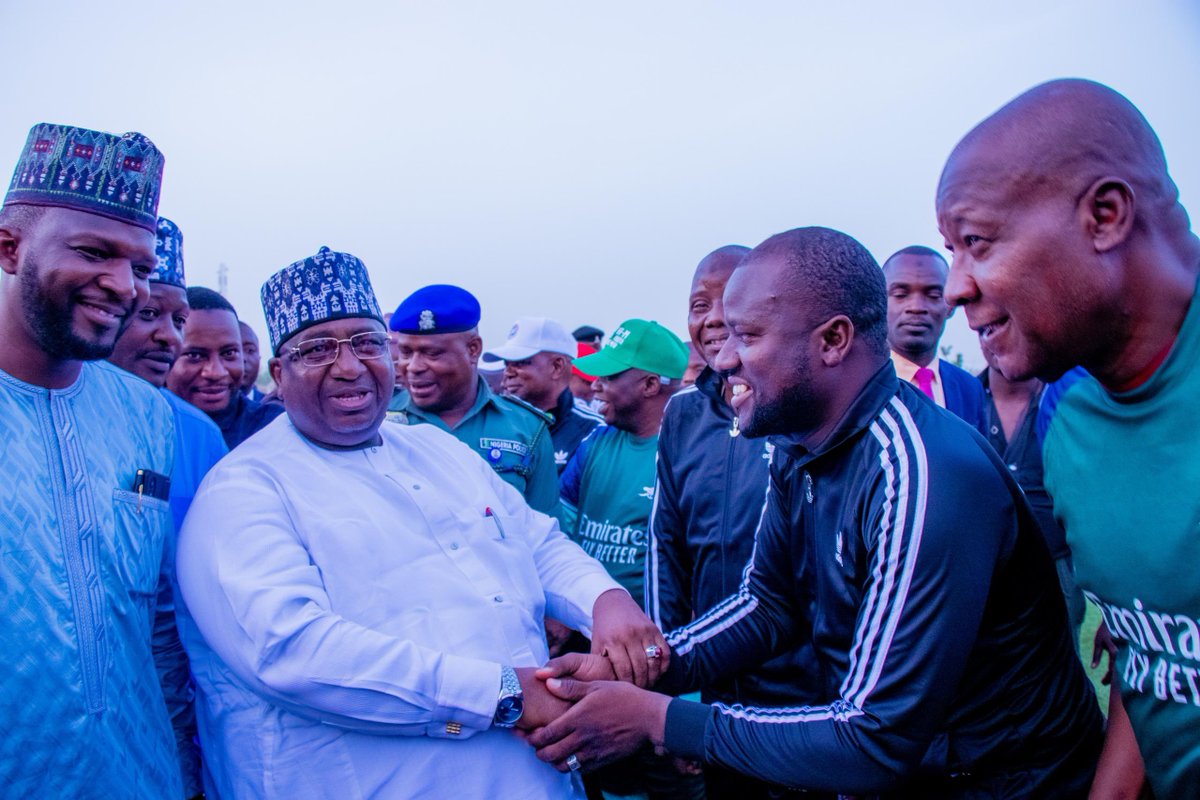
{"x": 438, "y": 351}
{"x": 608, "y": 487}
{"x": 1071, "y": 248}
{"x": 608, "y": 494}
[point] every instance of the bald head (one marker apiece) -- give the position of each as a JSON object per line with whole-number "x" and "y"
{"x": 721, "y": 261}
{"x": 1062, "y": 136}
{"x": 1068, "y": 237}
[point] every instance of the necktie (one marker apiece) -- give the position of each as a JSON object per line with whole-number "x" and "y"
{"x": 924, "y": 379}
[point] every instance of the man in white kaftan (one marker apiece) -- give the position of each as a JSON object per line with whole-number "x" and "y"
{"x": 356, "y": 594}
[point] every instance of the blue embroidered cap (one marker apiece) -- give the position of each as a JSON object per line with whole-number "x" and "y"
{"x": 329, "y": 285}
{"x": 118, "y": 177}
{"x": 439, "y": 308}
{"x": 168, "y": 247}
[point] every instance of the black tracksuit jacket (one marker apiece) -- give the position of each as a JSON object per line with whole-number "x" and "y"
{"x": 710, "y": 493}
{"x": 904, "y": 551}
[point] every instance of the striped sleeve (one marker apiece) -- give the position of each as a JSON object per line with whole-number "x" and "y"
{"x": 668, "y": 574}
{"x": 728, "y": 612}
{"x": 745, "y": 629}
{"x": 923, "y": 594}
{"x": 669, "y": 560}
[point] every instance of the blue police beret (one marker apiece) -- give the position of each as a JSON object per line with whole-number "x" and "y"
{"x": 439, "y": 308}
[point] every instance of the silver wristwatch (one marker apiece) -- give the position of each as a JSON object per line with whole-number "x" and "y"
{"x": 512, "y": 700}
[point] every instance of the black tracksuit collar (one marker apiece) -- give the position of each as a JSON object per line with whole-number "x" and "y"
{"x": 709, "y": 384}
{"x": 875, "y": 394}
{"x": 562, "y": 408}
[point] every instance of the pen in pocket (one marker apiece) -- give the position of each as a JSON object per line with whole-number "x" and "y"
{"x": 487, "y": 512}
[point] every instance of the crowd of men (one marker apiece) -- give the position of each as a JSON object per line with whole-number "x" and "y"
{"x": 799, "y": 554}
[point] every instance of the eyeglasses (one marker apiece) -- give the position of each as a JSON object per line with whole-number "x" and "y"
{"x": 325, "y": 350}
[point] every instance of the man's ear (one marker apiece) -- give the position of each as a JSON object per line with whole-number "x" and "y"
{"x": 9, "y": 242}
{"x": 834, "y": 339}
{"x": 275, "y": 367}
{"x": 474, "y": 349}
{"x": 651, "y": 385}
{"x": 560, "y": 367}
{"x": 1107, "y": 212}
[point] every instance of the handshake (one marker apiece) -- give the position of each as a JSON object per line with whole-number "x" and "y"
{"x": 585, "y": 710}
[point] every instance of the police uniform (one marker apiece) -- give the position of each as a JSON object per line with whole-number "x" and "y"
{"x": 570, "y": 423}
{"x": 508, "y": 433}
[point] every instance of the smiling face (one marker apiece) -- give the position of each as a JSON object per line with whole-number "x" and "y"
{"x": 539, "y": 379}
{"x": 439, "y": 370}
{"x": 150, "y": 345}
{"x": 706, "y": 310}
{"x": 209, "y": 368}
{"x": 916, "y": 311}
{"x": 341, "y": 404}
{"x": 769, "y": 355}
{"x": 80, "y": 279}
{"x": 622, "y": 397}
{"x": 1023, "y": 268}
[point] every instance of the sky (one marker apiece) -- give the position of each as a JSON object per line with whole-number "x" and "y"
{"x": 561, "y": 159}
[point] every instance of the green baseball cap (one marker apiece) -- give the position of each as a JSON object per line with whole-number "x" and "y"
{"x": 638, "y": 344}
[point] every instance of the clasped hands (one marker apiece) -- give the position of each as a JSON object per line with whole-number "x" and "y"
{"x": 595, "y": 706}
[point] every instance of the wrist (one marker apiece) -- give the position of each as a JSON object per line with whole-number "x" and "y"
{"x": 685, "y": 726}
{"x": 656, "y": 719}
{"x": 511, "y": 702}
{"x": 609, "y": 597}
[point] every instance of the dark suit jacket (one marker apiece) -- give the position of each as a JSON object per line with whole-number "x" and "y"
{"x": 964, "y": 395}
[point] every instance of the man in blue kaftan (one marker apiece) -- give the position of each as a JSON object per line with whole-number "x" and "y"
{"x": 87, "y": 450}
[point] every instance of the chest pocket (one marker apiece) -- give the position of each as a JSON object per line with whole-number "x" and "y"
{"x": 504, "y": 546}
{"x": 140, "y": 527}
{"x": 512, "y": 463}
{"x": 511, "y": 459}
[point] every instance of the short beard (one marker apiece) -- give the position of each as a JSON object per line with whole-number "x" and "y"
{"x": 790, "y": 412}
{"x": 50, "y": 322}
{"x": 786, "y": 414}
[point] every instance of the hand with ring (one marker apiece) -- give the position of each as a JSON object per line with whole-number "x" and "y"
{"x": 625, "y": 636}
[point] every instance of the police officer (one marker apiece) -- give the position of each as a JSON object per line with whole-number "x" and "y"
{"x": 537, "y": 360}
{"x": 439, "y": 349}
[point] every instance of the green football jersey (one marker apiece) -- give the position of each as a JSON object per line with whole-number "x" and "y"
{"x": 1124, "y": 472}
{"x": 607, "y": 495}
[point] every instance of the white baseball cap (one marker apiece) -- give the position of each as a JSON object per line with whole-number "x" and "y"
{"x": 532, "y": 335}
{"x": 490, "y": 365}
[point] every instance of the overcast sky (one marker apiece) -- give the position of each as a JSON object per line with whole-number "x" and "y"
{"x": 560, "y": 159}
